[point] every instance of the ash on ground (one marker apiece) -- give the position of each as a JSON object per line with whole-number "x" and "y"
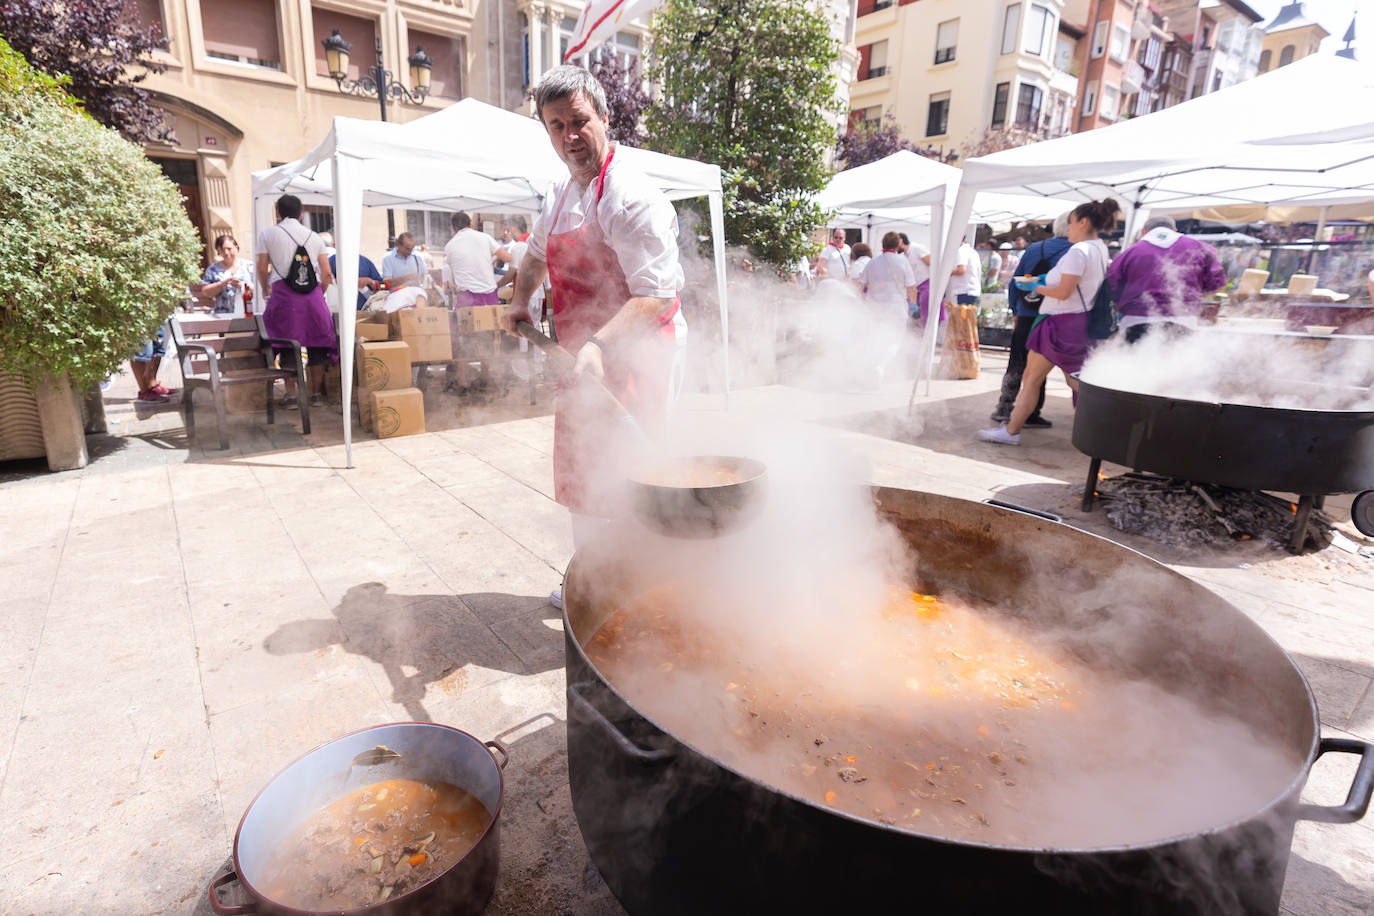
{"x": 1185, "y": 514}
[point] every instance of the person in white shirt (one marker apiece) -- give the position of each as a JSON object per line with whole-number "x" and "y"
{"x": 607, "y": 239}
{"x": 1010, "y": 258}
{"x": 889, "y": 287}
{"x": 966, "y": 281}
{"x": 860, "y": 255}
{"x": 918, "y": 256}
{"x": 468, "y": 257}
{"x": 833, "y": 261}
{"x": 296, "y": 310}
{"x": 1060, "y": 335}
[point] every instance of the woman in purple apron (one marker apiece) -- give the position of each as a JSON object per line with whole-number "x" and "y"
{"x": 295, "y": 259}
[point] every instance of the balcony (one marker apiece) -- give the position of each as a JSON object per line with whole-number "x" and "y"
{"x": 1132, "y": 78}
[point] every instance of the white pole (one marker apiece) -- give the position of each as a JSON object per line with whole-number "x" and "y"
{"x": 348, "y": 205}
{"x": 717, "y": 204}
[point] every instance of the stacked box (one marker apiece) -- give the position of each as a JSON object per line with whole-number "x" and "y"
{"x": 382, "y": 365}
{"x": 425, "y": 330}
{"x": 396, "y": 411}
{"x": 372, "y": 326}
{"x": 480, "y": 318}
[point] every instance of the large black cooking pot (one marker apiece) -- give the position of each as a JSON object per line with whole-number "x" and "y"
{"x": 672, "y": 830}
{"x": 1233, "y": 445}
{"x": 422, "y": 750}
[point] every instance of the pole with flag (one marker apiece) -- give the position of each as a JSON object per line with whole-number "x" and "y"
{"x": 601, "y": 19}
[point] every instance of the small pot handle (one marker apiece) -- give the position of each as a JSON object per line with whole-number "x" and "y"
{"x": 499, "y": 748}
{"x": 215, "y": 904}
{"x": 627, "y": 747}
{"x": 1361, "y": 788}
{"x": 1024, "y": 510}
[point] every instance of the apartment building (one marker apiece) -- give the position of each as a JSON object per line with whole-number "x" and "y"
{"x": 1292, "y": 35}
{"x": 951, "y": 74}
{"x": 247, "y": 86}
{"x": 1226, "y": 41}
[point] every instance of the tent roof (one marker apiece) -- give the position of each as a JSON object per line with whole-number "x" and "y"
{"x": 900, "y": 188}
{"x": 1218, "y": 150}
{"x": 432, "y": 162}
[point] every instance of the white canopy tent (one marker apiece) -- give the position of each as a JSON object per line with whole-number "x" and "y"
{"x": 431, "y": 164}
{"x": 1216, "y": 151}
{"x": 908, "y": 189}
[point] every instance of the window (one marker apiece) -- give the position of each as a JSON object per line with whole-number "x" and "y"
{"x": 429, "y": 227}
{"x": 1028, "y": 106}
{"x": 565, "y": 36}
{"x": 1110, "y": 96}
{"x": 359, "y": 32}
{"x": 1011, "y": 27}
{"x": 1039, "y": 30}
{"x": 999, "y": 105}
{"x": 1286, "y": 55}
{"x": 937, "y": 121}
{"x": 319, "y": 219}
{"x": 146, "y": 13}
{"x": 946, "y": 38}
{"x": 1264, "y": 60}
{"x": 877, "y": 59}
{"x": 243, "y": 32}
{"x": 1100, "y": 39}
{"x": 1121, "y": 42}
{"x": 869, "y": 117}
{"x": 1090, "y": 97}
{"x": 446, "y": 79}
{"x": 1063, "y": 54}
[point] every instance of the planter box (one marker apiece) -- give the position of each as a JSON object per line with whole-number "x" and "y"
{"x": 994, "y": 337}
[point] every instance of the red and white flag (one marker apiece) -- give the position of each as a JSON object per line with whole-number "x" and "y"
{"x": 601, "y": 19}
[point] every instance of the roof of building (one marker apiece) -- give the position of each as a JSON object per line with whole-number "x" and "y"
{"x": 1293, "y": 16}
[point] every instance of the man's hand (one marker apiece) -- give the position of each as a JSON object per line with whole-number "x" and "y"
{"x": 588, "y": 363}
{"x": 513, "y": 315}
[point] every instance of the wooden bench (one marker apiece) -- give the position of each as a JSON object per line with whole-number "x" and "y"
{"x": 208, "y": 348}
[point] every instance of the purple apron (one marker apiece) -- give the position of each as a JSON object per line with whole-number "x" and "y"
{"x": 302, "y": 317}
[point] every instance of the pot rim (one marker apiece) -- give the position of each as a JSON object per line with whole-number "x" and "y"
{"x": 755, "y": 469}
{"x": 1304, "y": 412}
{"x": 371, "y": 907}
{"x": 1289, "y": 791}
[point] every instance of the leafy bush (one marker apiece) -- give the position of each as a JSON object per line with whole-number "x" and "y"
{"x": 95, "y": 247}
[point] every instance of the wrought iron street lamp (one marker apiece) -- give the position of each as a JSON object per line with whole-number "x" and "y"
{"x": 378, "y": 81}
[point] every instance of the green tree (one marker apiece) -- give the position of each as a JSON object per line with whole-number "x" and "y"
{"x": 750, "y": 85}
{"x": 95, "y": 247}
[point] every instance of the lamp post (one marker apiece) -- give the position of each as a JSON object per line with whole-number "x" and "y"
{"x": 378, "y": 81}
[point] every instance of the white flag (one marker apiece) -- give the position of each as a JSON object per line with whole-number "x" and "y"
{"x": 601, "y": 19}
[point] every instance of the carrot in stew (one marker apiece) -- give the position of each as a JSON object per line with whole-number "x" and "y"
{"x": 417, "y": 860}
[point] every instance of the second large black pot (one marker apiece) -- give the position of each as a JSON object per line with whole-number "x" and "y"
{"x": 672, "y": 830}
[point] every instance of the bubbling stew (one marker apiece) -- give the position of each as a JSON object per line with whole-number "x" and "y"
{"x": 691, "y": 473}
{"x": 373, "y": 844}
{"x": 938, "y": 715}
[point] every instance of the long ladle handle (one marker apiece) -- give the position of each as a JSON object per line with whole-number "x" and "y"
{"x": 565, "y": 361}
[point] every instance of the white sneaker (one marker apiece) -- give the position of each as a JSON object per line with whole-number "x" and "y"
{"x": 556, "y": 598}
{"x": 999, "y": 435}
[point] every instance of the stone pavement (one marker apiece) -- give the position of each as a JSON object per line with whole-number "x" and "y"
{"x": 178, "y": 623}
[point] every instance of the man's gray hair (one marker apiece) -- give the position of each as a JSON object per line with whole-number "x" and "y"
{"x": 563, "y": 82}
{"x": 1061, "y": 225}
{"x": 1160, "y": 222}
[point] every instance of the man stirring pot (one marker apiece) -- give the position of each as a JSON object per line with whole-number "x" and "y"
{"x": 607, "y": 240}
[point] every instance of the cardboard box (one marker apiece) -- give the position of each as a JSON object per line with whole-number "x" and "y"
{"x": 426, "y": 330}
{"x": 396, "y": 412}
{"x": 480, "y": 318}
{"x": 383, "y": 364}
{"x": 372, "y": 326}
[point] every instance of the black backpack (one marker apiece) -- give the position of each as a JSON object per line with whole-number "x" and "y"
{"x": 1102, "y": 315}
{"x": 300, "y": 276}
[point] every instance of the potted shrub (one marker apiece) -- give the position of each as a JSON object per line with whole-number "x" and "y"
{"x": 95, "y": 251}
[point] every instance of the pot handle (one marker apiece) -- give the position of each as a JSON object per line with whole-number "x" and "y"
{"x": 499, "y": 748}
{"x": 1361, "y": 788}
{"x": 627, "y": 747}
{"x": 215, "y": 904}
{"x": 1024, "y": 510}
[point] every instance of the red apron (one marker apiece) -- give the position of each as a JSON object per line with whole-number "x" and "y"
{"x": 589, "y": 288}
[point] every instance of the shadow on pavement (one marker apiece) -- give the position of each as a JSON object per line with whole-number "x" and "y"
{"x": 421, "y": 639}
{"x": 545, "y": 867}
